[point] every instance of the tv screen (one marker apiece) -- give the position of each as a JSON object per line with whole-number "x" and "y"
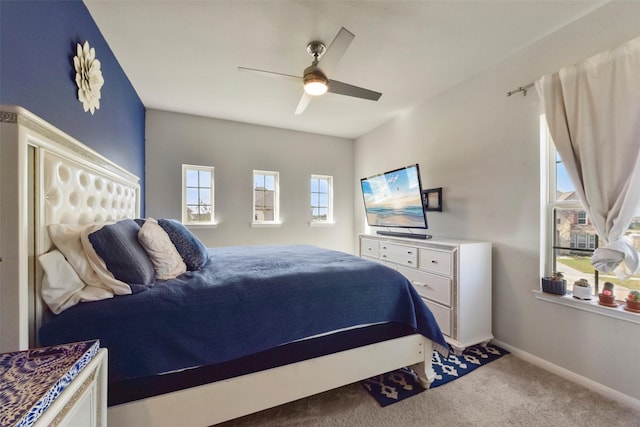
{"x": 394, "y": 199}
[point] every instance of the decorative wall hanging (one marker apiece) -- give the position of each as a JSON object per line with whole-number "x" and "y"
{"x": 88, "y": 77}
{"x": 432, "y": 199}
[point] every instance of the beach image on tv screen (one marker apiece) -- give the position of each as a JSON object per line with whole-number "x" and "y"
{"x": 394, "y": 199}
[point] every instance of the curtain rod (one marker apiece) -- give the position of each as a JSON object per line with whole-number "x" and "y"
{"x": 522, "y": 89}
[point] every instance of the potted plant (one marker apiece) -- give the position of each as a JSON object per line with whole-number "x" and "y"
{"x": 607, "y": 298}
{"x": 555, "y": 284}
{"x": 633, "y": 302}
{"x": 582, "y": 289}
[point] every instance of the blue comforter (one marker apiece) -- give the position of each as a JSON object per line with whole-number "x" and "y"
{"x": 244, "y": 300}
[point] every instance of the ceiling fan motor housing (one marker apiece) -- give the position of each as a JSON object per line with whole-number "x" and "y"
{"x": 316, "y": 49}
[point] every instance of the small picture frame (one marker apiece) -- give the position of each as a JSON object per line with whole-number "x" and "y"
{"x": 432, "y": 199}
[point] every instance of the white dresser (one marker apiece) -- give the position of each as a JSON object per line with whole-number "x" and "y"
{"x": 452, "y": 276}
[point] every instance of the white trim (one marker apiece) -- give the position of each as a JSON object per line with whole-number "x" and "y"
{"x": 276, "y": 198}
{"x": 329, "y": 180}
{"x": 571, "y": 376}
{"x": 185, "y": 168}
{"x": 266, "y": 224}
{"x": 197, "y": 225}
{"x": 322, "y": 224}
{"x": 591, "y": 306}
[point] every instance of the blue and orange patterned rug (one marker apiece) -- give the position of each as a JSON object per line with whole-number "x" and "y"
{"x": 402, "y": 383}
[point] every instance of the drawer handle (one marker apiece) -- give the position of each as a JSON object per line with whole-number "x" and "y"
{"x": 384, "y": 247}
{"x": 369, "y": 249}
{"x": 384, "y": 256}
{"x": 410, "y": 252}
{"x": 433, "y": 261}
{"x": 416, "y": 283}
{"x": 409, "y": 262}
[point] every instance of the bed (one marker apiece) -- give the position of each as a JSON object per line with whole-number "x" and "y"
{"x": 314, "y": 319}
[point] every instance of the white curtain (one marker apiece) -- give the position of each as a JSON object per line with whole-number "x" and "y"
{"x": 593, "y": 112}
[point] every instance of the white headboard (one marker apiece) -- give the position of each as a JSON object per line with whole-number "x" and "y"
{"x": 51, "y": 178}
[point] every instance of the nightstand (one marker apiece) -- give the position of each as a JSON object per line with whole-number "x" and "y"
{"x": 62, "y": 385}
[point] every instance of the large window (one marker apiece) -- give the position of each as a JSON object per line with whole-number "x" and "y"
{"x": 265, "y": 197}
{"x": 571, "y": 236}
{"x": 197, "y": 194}
{"x": 321, "y": 199}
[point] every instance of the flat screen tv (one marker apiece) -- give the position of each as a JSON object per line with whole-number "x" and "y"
{"x": 394, "y": 199}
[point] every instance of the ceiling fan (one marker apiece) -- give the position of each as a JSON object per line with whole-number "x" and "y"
{"x": 315, "y": 77}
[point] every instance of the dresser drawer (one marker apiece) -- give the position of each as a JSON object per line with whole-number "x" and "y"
{"x": 442, "y": 316}
{"x": 428, "y": 285}
{"x": 400, "y": 254}
{"x": 383, "y": 262}
{"x": 369, "y": 248}
{"x": 436, "y": 261}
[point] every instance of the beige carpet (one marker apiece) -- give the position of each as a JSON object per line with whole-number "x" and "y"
{"x": 506, "y": 392}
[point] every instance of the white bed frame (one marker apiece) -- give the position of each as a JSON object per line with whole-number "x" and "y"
{"x": 49, "y": 177}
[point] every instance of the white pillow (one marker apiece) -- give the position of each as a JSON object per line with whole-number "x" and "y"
{"x": 66, "y": 237}
{"x": 164, "y": 256}
{"x": 62, "y": 287}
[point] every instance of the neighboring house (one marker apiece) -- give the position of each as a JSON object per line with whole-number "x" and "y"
{"x": 573, "y": 227}
{"x": 575, "y": 230}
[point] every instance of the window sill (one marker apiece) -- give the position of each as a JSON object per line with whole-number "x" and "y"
{"x": 322, "y": 224}
{"x": 591, "y": 306}
{"x": 266, "y": 224}
{"x": 200, "y": 225}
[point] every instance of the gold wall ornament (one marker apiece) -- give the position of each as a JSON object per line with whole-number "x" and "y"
{"x": 88, "y": 77}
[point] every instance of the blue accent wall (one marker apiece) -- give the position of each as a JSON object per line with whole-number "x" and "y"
{"x": 37, "y": 45}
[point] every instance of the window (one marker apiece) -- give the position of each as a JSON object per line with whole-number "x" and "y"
{"x": 571, "y": 236}
{"x": 582, "y": 217}
{"x": 265, "y": 197}
{"x": 321, "y": 199}
{"x": 197, "y": 194}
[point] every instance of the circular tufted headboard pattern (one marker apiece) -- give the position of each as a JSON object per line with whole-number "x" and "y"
{"x": 75, "y": 194}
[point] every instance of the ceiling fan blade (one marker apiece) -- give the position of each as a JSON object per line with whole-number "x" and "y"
{"x": 271, "y": 74}
{"x": 335, "y": 51}
{"x": 302, "y": 105}
{"x": 351, "y": 90}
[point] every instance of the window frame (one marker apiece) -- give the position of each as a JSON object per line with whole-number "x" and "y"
{"x": 276, "y": 199}
{"x": 548, "y": 224}
{"x": 329, "y": 193}
{"x": 185, "y": 217}
{"x": 552, "y": 205}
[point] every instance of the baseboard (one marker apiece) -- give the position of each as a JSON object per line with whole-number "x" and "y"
{"x": 571, "y": 376}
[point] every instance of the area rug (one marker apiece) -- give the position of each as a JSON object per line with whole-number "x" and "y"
{"x": 402, "y": 383}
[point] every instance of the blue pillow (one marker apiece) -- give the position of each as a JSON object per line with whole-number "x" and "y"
{"x": 118, "y": 247}
{"x": 193, "y": 252}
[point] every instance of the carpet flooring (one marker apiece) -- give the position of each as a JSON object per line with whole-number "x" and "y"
{"x": 506, "y": 392}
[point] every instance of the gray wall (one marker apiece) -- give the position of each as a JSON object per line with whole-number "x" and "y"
{"x": 483, "y": 149}
{"x": 235, "y": 150}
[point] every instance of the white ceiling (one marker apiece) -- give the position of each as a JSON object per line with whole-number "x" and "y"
{"x": 183, "y": 55}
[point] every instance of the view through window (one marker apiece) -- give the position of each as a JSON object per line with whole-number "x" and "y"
{"x": 573, "y": 236}
{"x": 321, "y": 198}
{"x": 197, "y": 194}
{"x": 265, "y": 197}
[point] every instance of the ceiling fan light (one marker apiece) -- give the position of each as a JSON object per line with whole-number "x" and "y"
{"x": 315, "y": 82}
{"x": 315, "y": 87}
